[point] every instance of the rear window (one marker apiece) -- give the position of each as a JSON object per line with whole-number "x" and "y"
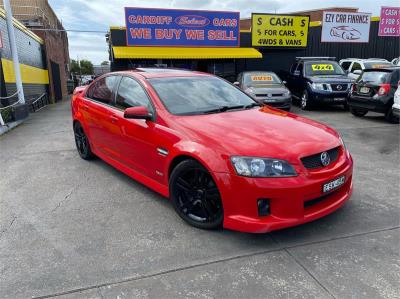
{"x": 374, "y": 77}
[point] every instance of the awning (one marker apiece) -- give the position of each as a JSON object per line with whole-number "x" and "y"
{"x": 183, "y": 53}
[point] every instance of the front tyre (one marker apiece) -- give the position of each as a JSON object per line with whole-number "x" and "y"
{"x": 195, "y": 196}
{"x": 305, "y": 101}
{"x": 82, "y": 143}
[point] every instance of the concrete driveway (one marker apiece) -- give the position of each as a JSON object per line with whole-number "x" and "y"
{"x": 79, "y": 229}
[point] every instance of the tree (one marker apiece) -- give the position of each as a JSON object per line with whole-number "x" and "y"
{"x": 105, "y": 62}
{"x": 86, "y": 67}
{"x": 75, "y": 68}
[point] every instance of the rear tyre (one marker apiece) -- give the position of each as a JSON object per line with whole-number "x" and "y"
{"x": 358, "y": 112}
{"x": 195, "y": 196}
{"x": 305, "y": 101}
{"x": 346, "y": 107}
{"x": 390, "y": 117}
{"x": 82, "y": 143}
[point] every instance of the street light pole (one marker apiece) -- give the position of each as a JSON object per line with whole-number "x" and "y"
{"x": 14, "y": 53}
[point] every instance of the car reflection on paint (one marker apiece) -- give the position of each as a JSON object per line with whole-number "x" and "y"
{"x": 222, "y": 158}
{"x": 345, "y": 33}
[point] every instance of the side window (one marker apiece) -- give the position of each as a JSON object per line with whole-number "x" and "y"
{"x": 103, "y": 90}
{"x": 293, "y": 68}
{"x": 345, "y": 65}
{"x": 300, "y": 68}
{"x": 131, "y": 94}
{"x": 356, "y": 66}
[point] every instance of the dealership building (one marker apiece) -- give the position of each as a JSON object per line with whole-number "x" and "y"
{"x": 228, "y": 61}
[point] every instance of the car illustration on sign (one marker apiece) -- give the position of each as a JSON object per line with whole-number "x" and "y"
{"x": 223, "y": 159}
{"x": 345, "y": 33}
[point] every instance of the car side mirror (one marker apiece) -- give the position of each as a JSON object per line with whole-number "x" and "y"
{"x": 139, "y": 112}
{"x": 357, "y": 72}
{"x": 284, "y": 82}
{"x": 236, "y": 83}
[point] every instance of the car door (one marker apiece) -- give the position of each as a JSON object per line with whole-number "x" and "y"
{"x": 137, "y": 139}
{"x": 96, "y": 108}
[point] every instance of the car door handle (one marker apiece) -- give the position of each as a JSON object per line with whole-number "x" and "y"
{"x": 85, "y": 107}
{"x": 113, "y": 119}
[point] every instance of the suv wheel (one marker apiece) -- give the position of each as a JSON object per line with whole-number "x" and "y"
{"x": 389, "y": 116}
{"x": 358, "y": 112}
{"x": 305, "y": 101}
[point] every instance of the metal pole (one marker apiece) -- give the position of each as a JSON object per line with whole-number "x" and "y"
{"x": 14, "y": 53}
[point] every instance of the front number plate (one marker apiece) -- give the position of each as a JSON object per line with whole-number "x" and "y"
{"x": 333, "y": 184}
{"x": 339, "y": 99}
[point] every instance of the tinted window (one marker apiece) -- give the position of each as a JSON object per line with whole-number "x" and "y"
{"x": 345, "y": 65}
{"x": 131, "y": 94}
{"x": 394, "y": 80}
{"x": 375, "y": 77}
{"x": 102, "y": 89}
{"x": 323, "y": 68}
{"x": 300, "y": 68}
{"x": 196, "y": 95}
{"x": 356, "y": 66}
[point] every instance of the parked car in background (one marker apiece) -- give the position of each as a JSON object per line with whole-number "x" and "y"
{"x": 265, "y": 88}
{"x": 374, "y": 91}
{"x": 354, "y": 66}
{"x": 396, "y": 61}
{"x": 317, "y": 81}
{"x": 221, "y": 158}
{"x": 396, "y": 104}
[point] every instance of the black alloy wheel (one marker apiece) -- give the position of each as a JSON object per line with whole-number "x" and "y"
{"x": 305, "y": 101}
{"x": 195, "y": 195}
{"x": 82, "y": 143}
{"x": 358, "y": 112}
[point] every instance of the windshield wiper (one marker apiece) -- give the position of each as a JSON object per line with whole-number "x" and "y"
{"x": 251, "y": 105}
{"x": 222, "y": 109}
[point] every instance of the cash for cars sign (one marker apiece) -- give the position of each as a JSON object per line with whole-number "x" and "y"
{"x": 389, "y": 24}
{"x": 344, "y": 27}
{"x": 175, "y": 27}
{"x": 270, "y": 30}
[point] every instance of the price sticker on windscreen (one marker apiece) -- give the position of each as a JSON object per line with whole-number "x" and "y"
{"x": 322, "y": 67}
{"x": 261, "y": 78}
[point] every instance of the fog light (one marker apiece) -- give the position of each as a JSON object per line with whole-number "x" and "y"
{"x": 263, "y": 207}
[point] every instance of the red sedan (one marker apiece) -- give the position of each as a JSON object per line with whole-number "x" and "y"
{"x": 221, "y": 158}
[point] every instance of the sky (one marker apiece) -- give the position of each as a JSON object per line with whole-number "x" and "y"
{"x": 99, "y": 15}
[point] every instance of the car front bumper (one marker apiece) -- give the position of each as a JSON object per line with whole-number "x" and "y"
{"x": 287, "y": 197}
{"x": 327, "y": 97}
{"x": 276, "y": 102}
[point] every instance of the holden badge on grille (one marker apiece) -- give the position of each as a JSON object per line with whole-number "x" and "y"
{"x": 325, "y": 159}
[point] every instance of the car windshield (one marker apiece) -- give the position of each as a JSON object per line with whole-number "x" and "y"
{"x": 260, "y": 78}
{"x": 322, "y": 68}
{"x": 199, "y": 95}
{"x": 376, "y": 64}
{"x": 375, "y": 77}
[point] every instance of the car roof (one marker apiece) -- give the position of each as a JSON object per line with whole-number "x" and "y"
{"x": 254, "y": 72}
{"x": 149, "y": 73}
{"x": 365, "y": 59}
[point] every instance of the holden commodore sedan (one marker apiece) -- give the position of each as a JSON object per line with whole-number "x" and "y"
{"x": 221, "y": 158}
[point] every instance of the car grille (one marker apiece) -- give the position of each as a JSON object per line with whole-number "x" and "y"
{"x": 314, "y": 161}
{"x": 269, "y": 95}
{"x": 339, "y": 87}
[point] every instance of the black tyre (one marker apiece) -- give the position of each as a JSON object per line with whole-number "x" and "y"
{"x": 358, "y": 112}
{"x": 82, "y": 142}
{"x": 305, "y": 101}
{"x": 346, "y": 106}
{"x": 195, "y": 195}
{"x": 390, "y": 117}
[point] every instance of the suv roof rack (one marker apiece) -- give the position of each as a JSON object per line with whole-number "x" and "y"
{"x": 315, "y": 58}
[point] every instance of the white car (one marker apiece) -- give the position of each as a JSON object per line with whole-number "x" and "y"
{"x": 354, "y": 66}
{"x": 396, "y": 61}
{"x": 396, "y": 105}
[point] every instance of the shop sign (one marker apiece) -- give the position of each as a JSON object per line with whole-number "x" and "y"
{"x": 181, "y": 28}
{"x": 270, "y": 30}
{"x": 389, "y": 24}
{"x": 345, "y": 27}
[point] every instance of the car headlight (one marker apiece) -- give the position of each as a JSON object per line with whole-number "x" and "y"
{"x": 318, "y": 86}
{"x": 287, "y": 93}
{"x": 262, "y": 167}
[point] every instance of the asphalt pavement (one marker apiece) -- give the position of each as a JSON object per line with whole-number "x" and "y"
{"x": 78, "y": 229}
